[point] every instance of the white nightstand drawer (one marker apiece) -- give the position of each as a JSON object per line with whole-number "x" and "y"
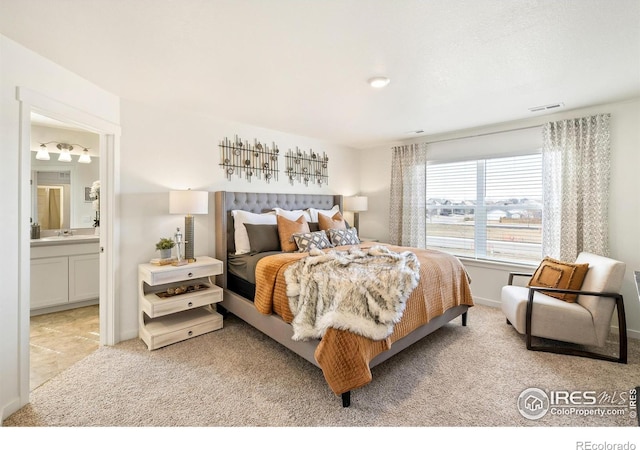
{"x": 155, "y": 306}
{"x": 187, "y": 272}
{"x": 180, "y": 326}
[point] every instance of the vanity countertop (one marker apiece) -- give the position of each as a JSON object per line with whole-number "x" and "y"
{"x": 65, "y": 240}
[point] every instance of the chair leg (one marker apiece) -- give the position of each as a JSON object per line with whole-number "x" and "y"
{"x": 622, "y": 326}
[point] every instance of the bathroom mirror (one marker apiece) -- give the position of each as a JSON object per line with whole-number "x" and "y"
{"x": 60, "y": 191}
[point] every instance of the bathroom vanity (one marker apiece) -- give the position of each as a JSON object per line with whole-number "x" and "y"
{"x": 65, "y": 272}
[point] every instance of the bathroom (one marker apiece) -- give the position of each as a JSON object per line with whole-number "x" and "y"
{"x": 64, "y": 246}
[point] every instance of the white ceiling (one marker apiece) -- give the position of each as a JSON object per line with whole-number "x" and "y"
{"x": 301, "y": 66}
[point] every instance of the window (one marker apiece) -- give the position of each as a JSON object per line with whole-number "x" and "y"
{"x": 487, "y": 208}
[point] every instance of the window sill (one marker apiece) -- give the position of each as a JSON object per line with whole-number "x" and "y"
{"x": 498, "y": 265}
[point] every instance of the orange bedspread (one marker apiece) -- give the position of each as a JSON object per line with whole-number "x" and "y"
{"x": 344, "y": 356}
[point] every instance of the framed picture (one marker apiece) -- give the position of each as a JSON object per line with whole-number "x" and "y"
{"x": 87, "y": 195}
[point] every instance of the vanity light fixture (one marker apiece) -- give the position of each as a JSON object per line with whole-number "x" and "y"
{"x": 65, "y": 152}
{"x": 43, "y": 154}
{"x": 378, "y": 82}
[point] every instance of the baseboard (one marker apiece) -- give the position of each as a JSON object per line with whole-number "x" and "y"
{"x": 9, "y": 409}
{"x": 631, "y": 334}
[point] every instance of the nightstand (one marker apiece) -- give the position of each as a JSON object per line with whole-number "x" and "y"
{"x": 178, "y": 302}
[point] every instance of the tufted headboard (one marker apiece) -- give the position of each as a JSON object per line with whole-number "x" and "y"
{"x": 257, "y": 202}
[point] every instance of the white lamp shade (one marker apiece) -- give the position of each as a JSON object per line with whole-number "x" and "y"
{"x": 356, "y": 203}
{"x": 43, "y": 154}
{"x": 65, "y": 156}
{"x": 188, "y": 202}
{"x": 85, "y": 158}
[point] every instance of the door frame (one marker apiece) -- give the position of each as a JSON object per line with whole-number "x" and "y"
{"x": 31, "y": 101}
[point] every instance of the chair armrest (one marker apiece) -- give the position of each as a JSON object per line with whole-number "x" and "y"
{"x": 613, "y": 295}
{"x": 517, "y": 274}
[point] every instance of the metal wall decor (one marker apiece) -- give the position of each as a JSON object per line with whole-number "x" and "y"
{"x": 306, "y": 167}
{"x": 249, "y": 160}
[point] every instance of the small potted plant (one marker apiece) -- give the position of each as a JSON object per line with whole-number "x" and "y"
{"x": 165, "y": 245}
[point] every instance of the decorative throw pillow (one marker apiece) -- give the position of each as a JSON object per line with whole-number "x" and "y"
{"x": 343, "y": 237}
{"x": 307, "y": 241}
{"x": 558, "y": 274}
{"x": 334, "y": 222}
{"x": 263, "y": 238}
{"x": 313, "y": 213}
{"x": 241, "y": 237}
{"x": 287, "y": 228}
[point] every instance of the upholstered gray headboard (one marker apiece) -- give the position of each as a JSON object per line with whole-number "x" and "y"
{"x": 257, "y": 202}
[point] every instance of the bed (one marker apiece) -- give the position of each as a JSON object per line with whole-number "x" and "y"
{"x": 344, "y": 357}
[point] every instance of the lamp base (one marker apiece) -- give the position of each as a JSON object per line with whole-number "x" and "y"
{"x": 188, "y": 238}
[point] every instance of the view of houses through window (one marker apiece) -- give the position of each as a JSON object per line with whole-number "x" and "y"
{"x": 487, "y": 209}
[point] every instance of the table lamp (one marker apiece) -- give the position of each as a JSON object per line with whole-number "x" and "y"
{"x": 356, "y": 204}
{"x": 189, "y": 203}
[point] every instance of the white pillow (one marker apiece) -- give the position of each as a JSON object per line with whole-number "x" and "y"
{"x": 327, "y": 212}
{"x": 241, "y": 237}
{"x": 293, "y": 215}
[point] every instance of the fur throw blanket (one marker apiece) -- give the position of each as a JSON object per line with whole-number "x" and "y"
{"x": 362, "y": 291}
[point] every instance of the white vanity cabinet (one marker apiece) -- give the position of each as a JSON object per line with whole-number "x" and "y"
{"x": 64, "y": 275}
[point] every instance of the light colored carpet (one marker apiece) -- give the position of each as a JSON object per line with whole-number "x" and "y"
{"x": 459, "y": 376}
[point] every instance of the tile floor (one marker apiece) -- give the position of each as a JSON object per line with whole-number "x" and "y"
{"x": 59, "y": 340}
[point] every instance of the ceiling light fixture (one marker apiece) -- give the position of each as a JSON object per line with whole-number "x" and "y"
{"x": 378, "y": 82}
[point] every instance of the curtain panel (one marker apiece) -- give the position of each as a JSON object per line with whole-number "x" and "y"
{"x": 576, "y": 172}
{"x": 408, "y": 211}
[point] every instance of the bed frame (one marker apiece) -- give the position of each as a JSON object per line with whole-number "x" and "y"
{"x": 272, "y": 325}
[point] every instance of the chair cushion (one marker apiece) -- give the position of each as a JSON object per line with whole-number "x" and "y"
{"x": 552, "y": 318}
{"x": 558, "y": 274}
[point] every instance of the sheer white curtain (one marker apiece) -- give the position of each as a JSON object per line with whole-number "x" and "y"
{"x": 408, "y": 212}
{"x": 575, "y": 171}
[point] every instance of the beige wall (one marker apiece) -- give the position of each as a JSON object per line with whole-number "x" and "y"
{"x": 624, "y": 207}
{"x": 164, "y": 150}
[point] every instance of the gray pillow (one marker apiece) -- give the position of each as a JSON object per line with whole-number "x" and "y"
{"x": 343, "y": 237}
{"x": 263, "y": 237}
{"x": 308, "y": 241}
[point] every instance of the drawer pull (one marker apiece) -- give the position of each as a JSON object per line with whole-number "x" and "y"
{"x": 190, "y": 274}
{"x": 190, "y": 304}
{"x": 190, "y": 333}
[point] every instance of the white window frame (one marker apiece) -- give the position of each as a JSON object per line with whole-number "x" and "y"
{"x": 480, "y": 210}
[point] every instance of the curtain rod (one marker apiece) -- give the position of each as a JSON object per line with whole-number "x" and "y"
{"x": 482, "y": 134}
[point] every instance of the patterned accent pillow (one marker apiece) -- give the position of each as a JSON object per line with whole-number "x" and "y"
{"x": 308, "y": 241}
{"x": 343, "y": 237}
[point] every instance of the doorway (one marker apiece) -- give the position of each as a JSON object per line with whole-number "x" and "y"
{"x": 108, "y": 132}
{"x": 64, "y": 300}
